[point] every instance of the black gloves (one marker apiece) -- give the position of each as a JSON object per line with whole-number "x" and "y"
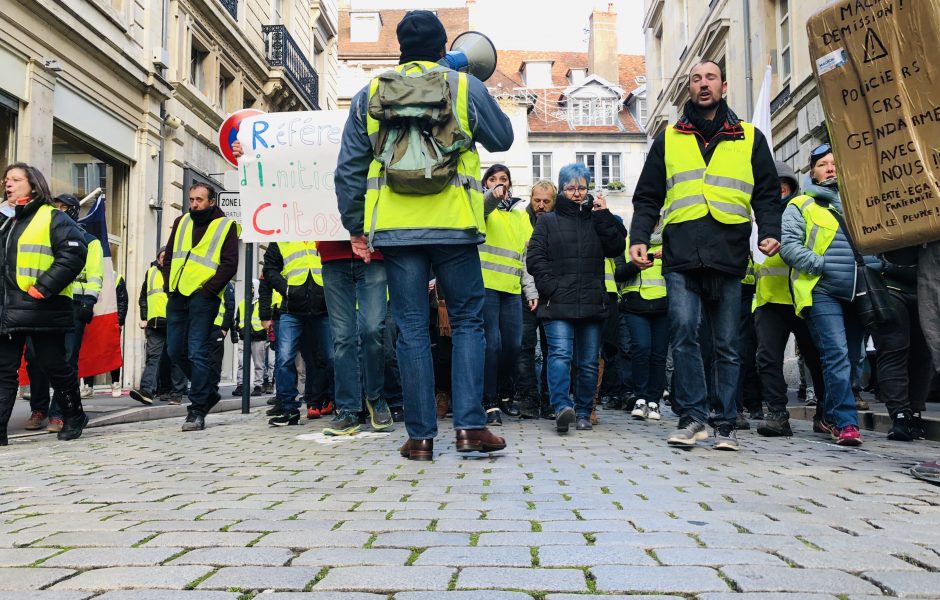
{"x": 85, "y": 313}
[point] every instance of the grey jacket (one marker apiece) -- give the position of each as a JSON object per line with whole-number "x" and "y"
{"x": 837, "y": 265}
{"x": 489, "y": 125}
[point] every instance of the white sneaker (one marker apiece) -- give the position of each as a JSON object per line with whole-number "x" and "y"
{"x": 653, "y": 411}
{"x": 640, "y": 410}
{"x": 87, "y": 391}
{"x": 116, "y": 390}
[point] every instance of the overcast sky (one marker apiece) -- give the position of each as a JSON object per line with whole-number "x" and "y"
{"x": 538, "y": 24}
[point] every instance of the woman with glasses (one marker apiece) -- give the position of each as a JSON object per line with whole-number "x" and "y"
{"x": 818, "y": 247}
{"x": 566, "y": 257}
{"x": 502, "y": 257}
{"x": 43, "y": 251}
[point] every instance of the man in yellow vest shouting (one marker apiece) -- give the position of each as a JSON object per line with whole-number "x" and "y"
{"x": 203, "y": 258}
{"x": 427, "y": 217}
{"x": 705, "y": 174}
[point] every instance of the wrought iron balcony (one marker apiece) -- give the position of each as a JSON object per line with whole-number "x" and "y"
{"x": 231, "y": 7}
{"x": 282, "y": 51}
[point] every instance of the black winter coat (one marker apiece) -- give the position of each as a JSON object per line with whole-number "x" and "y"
{"x": 21, "y": 312}
{"x": 300, "y": 300}
{"x": 566, "y": 257}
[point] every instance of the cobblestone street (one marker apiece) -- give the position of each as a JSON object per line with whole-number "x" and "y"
{"x": 143, "y": 511}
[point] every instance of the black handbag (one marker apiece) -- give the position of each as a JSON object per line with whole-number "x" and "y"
{"x": 872, "y": 301}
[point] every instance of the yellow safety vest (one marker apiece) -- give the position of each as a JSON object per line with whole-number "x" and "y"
{"x": 276, "y": 299}
{"x": 507, "y": 232}
{"x": 821, "y": 229}
{"x": 156, "y": 295}
{"x": 773, "y": 282}
{"x": 750, "y": 276}
{"x": 610, "y": 284}
{"x": 34, "y": 254}
{"x": 219, "y": 318}
{"x": 90, "y": 281}
{"x": 300, "y": 258}
{"x": 192, "y": 266}
{"x": 722, "y": 188}
{"x": 650, "y": 283}
{"x": 255, "y": 317}
{"x": 459, "y": 206}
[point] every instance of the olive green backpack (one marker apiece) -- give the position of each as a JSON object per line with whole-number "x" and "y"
{"x": 419, "y": 140}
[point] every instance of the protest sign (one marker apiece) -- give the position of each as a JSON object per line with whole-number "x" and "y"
{"x": 286, "y": 176}
{"x": 875, "y": 65}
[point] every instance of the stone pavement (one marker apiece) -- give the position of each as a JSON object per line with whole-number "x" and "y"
{"x": 145, "y": 512}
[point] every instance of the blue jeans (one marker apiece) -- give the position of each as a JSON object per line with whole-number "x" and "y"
{"x": 355, "y": 299}
{"x": 578, "y": 340}
{"x": 687, "y": 306}
{"x": 188, "y": 323}
{"x": 838, "y": 337}
{"x": 502, "y": 324}
{"x": 649, "y": 337}
{"x": 393, "y": 393}
{"x": 457, "y": 268}
{"x": 299, "y": 334}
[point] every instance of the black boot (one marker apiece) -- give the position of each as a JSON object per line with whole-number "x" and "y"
{"x": 509, "y": 408}
{"x": 492, "y": 412}
{"x": 7, "y": 398}
{"x": 545, "y": 408}
{"x": 529, "y": 407}
{"x": 73, "y": 416}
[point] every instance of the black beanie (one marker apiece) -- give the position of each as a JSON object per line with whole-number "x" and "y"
{"x": 421, "y": 36}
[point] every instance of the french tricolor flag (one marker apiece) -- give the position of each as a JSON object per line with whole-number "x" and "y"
{"x": 101, "y": 346}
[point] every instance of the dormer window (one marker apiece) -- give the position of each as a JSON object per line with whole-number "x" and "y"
{"x": 592, "y": 111}
{"x": 537, "y": 74}
{"x": 364, "y": 27}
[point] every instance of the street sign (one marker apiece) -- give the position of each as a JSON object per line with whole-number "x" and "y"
{"x": 231, "y": 205}
{"x": 228, "y": 132}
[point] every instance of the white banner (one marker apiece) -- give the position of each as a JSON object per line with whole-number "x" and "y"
{"x": 286, "y": 176}
{"x": 761, "y": 120}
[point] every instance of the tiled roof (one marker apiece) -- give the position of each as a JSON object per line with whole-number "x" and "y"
{"x": 455, "y": 20}
{"x": 509, "y": 75}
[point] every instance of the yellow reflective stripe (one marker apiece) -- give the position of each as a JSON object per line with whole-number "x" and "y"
{"x": 686, "y": 202}
{"x": 734, "y": 209}
{"x": 500, "y": 251}
{"x": 301, "y": 271}
{"x": 516, "y": 271}
{"x": 773, "y": 272}
{"x": 811, "y": 238}
{"x": 29, "y": 272}
{"x": 729, "y": 182}
{"x": 683, "y": 177}
{"x": 181, "y": 234}
{"x": 37, "y": 248}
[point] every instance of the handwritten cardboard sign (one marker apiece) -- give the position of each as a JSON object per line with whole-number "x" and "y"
{"x": 286, "y": 176}
{"x": 875, "y": 65}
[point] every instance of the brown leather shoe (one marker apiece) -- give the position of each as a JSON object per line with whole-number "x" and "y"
{"x": 478, "y": 440}
{"x": 418, "y": 449}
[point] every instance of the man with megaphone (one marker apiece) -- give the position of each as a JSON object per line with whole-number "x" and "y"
{"x": 407, "y": 182}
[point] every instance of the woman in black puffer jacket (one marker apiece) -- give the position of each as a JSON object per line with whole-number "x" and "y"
{"x": 35, "y": 294}
{"x": 566, "y": 257}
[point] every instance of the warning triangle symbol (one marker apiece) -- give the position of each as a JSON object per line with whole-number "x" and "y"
{"x": 874, "y": 49}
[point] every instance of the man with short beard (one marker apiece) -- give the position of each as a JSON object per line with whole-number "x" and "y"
{"x": 705, "y": 174}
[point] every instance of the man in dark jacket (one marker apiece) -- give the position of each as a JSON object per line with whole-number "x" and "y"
{"x": 195, "y": 277}
{"x": 706, "y": 173}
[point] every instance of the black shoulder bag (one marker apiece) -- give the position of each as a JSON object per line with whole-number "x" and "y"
{"x": 872, "y": 302}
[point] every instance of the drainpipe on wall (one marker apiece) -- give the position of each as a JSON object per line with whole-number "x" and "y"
{"x": 748, "y": 76}
{"x": 164, "y": 38}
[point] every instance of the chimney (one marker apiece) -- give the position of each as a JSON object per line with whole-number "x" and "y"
{"x": 602, "y": 47}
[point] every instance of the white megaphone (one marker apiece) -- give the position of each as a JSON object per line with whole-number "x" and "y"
{"x": 474, "y": 53}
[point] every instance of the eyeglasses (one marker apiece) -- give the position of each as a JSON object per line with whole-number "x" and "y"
{"x": 572, "y": 189}
{"x": 820, "y": 151}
